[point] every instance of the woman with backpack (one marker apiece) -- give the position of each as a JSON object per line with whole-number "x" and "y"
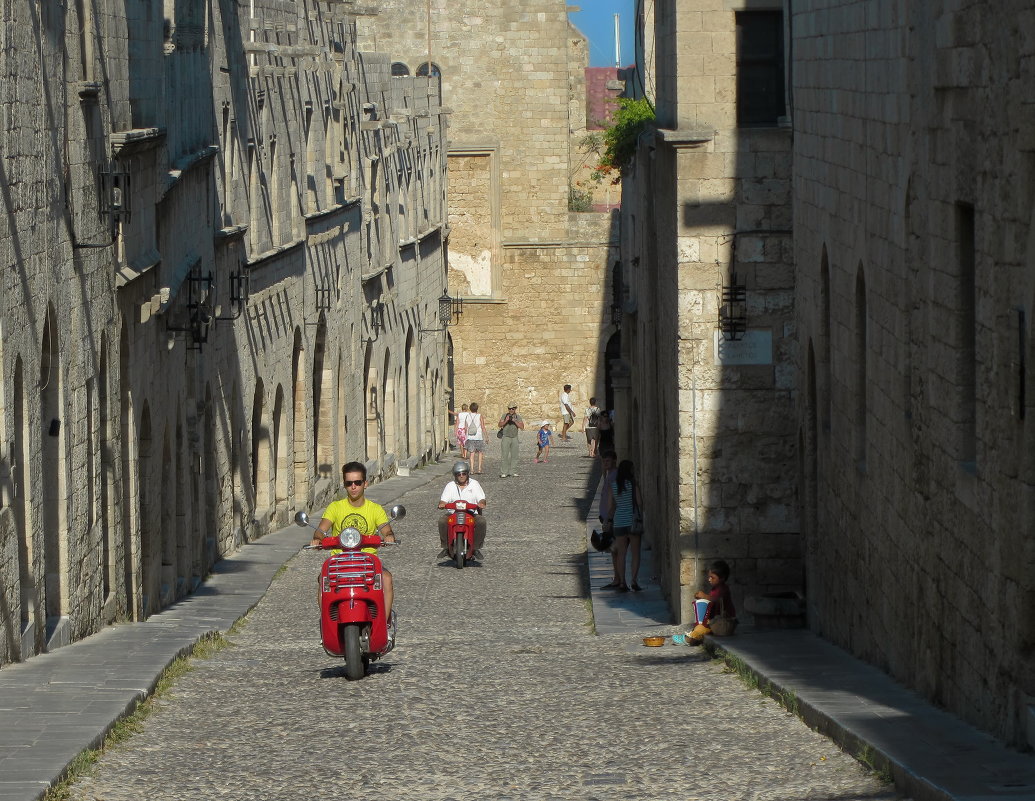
{"x": 590, "y": 424}
{"x": 475, "y": 439}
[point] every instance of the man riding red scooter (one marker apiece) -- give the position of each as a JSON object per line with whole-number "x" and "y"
{"x": 467, "y": 492}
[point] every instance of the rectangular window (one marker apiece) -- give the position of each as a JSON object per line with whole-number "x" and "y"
{"x": 760, "y": 85}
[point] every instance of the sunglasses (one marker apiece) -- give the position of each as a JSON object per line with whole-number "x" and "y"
{"x": 461, "y": 473}
{"x": 355, "y": 483}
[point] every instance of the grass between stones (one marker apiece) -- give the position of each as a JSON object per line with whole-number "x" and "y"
{"x": 133, "y": 723}
{"x": 863, "y": 752}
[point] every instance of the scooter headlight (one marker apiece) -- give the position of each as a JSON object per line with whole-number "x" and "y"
{"x": 350, "y": 538}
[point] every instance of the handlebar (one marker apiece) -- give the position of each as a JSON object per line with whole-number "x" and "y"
{"x": 333, "y": 543}
{"x": 470, "y": 506}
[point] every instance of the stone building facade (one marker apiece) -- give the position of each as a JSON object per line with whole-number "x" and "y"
{"x": 914, "y": 168}
{"x": 887, "y": 423}
{"x": 708, "y": 350}
{"x": 223, "y": 232}
{"x": 534, "y": 278}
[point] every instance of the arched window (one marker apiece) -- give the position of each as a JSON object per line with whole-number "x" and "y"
{"x": 861, "y": 324}
{"x": 399, "y": 70}
{"x": 422, "y": 70}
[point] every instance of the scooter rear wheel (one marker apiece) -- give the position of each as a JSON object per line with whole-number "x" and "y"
{"x": 355, "y": 666}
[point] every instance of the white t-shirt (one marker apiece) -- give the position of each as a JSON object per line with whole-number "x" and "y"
{"x": 461, "y": 421}
{"x": 472, "y": 492}
{"x": 472, "y": 419}
{"x": 565, "y": 403}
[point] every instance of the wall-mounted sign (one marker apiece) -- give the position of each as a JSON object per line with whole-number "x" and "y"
{"x": 754, "y": 347}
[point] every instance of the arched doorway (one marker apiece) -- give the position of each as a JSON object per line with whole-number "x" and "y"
{"x": 261, "y": 477}
{"x": 370, "y": 404}
{"x": 52, "y": 479}
{"x": 412, "y": 394}
{"x": 167, "y": 502}
{"x": 150, "y": 523}
{"x": 322, "y": 446}
{"x": 212, "y": 507}
{"x": 130, "y": 485}
{"x": 280, "y": 450}
{"x": 301, "y": 437}
{"x": 31, "y": 626}
{"x": 108, "y": 520}
{"x": 388, "y": 416}
{"x": 612, "y": 353}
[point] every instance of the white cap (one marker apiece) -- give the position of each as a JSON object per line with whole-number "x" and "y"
{"x": 544, "y": 423}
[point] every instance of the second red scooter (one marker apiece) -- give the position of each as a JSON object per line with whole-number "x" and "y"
{"x": 460, "y": 531}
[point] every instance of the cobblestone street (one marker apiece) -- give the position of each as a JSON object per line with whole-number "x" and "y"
{"x": 498, "y": 689}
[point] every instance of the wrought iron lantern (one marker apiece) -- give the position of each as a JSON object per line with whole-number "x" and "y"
{"x": 733, "y": 310}
{"x": 199, "y": 312}
{"x": 449, "y": 311}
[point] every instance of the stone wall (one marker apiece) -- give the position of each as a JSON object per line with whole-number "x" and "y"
{"x": 513, "y": 79}
{"x": 180, "y": 376}
{"x": 706, "y": 207}
{"x": 913, "y": 245}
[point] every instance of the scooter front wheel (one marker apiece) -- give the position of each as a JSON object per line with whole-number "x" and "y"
{"x": 355, "y": 666}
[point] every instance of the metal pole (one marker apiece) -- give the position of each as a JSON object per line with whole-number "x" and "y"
{"x": 618, "y": 45}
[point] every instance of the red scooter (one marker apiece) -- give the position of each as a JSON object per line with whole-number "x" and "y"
{"x": 353, "y": 623}
{"x": 460, "y": 531}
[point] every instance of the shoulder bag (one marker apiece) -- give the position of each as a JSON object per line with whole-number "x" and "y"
{"x": 722, "y": 626}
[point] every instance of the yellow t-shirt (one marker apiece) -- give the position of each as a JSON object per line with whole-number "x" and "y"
{"x": 369, "y": 518}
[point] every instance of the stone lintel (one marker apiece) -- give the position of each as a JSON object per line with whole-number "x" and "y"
{"x": 229, "y": 233}
{"x": 377, "y": 273}
{"x": 185, "y": 164}
{"x": 686, "y": 137}
{"x": 135, "y": 268}
{"x": 429, "y": 231}
{"x": 134, "y": 141}
{"x": 88, "y": 90}
{"x": 325, "y": 214}
{"x": 267, "y": 257}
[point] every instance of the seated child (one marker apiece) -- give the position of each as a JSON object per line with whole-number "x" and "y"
{"x": 720, "y": 607}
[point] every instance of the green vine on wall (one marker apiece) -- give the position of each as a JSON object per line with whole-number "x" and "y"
{"x": 619, "y": 146}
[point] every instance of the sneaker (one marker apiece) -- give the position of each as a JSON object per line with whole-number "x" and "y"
{"x": 443, "y": 553}
{"x": 477, "y": 554}
{"x": 391, "y": 632}
{"x": 503, "y": 475}
{"x": 514, "y": 474}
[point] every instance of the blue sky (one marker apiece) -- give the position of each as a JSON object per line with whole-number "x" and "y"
{"x": 597, "y": 21}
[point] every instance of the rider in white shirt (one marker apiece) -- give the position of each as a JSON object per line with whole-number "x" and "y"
{"x": 463, "y": 488}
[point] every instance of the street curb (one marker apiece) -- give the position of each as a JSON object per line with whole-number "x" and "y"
{"x": 884, "y": 765}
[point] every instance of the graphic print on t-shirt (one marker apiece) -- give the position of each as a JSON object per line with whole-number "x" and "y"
{"x": 356, "y": 521}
